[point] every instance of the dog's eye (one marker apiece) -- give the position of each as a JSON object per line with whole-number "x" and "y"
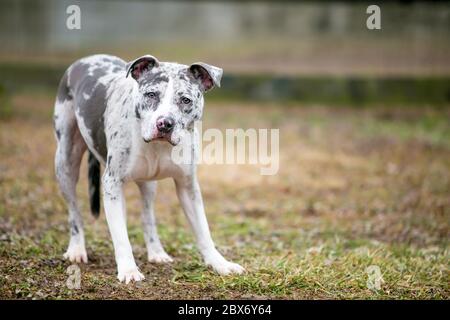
{"x": 185, "y": 100}
{"x": 150, "y": 95}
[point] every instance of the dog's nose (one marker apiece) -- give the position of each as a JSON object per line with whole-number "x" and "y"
{"x": 165, "y": 125}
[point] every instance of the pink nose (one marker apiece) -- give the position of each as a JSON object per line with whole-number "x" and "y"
{"x": 165, "y": 124}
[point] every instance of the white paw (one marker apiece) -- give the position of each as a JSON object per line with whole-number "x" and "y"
{"x": 226, "y": 268}
{"x": 76, "y": 253}
{"x": 159, "y": 257}
{"x": 130, "y": 275}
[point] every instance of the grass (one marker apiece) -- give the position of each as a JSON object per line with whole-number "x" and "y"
{"x": 356, "y": 188}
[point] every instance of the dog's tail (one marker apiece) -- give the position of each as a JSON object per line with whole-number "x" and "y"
{"x": 94, "y": 184}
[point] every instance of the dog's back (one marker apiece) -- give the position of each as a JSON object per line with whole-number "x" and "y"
{"x": 85, "y": 84}
{"x": 78, "y": 118}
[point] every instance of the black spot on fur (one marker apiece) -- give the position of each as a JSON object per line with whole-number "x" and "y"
{"x": 73, "y": 228}
{"x": 94, "y": 184}
{"x": 153, "y": 78}
{"x": 136, "y": 111}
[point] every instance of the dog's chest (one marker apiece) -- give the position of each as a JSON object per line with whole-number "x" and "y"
{"x": 154, "y": 162}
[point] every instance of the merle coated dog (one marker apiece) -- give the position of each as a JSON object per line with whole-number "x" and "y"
{"x": 129, "y": 116}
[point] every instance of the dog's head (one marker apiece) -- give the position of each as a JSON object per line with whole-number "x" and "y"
{"x": 170, "y": 96}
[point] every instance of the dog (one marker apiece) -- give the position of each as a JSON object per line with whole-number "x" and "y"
{"x": 129, "y": 116}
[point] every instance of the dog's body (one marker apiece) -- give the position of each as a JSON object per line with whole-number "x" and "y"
{"x": 130, "y": 125}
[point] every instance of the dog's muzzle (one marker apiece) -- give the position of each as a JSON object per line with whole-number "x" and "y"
{"x": 164, "y": 130}
{"x": 165, "y": 125}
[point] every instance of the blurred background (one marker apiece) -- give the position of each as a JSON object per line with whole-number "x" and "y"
{"x": 270, "y": 50}
{"x": 364, "y": 119}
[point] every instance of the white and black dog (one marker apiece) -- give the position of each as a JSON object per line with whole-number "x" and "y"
{"x": 130, "y": 116}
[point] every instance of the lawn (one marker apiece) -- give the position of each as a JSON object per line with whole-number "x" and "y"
{"x": 357, "y": 189}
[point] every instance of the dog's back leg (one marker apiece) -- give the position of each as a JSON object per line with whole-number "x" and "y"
{"x": 69, "y": 152}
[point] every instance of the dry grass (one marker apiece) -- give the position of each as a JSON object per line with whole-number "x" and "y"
{"x": 355, "y": 188}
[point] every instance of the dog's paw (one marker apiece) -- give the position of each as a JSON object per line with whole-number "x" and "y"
{"x": 159, "y": 257}
{"x": 225, "y": 268}
{"x": 130, "y": 275}
{"x": 76, "y": 253}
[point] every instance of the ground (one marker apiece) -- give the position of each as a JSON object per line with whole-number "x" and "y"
{"x": 358, "y": 189}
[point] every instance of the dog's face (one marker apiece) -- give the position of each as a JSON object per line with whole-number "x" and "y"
{"x": 170, "y": 96}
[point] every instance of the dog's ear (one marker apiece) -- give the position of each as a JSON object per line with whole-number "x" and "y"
{"x": 140, "y": 65}
{"x": 208, "y": 76}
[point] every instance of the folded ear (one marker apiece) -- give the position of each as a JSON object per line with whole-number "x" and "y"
{"x": 140, "y": 65}
{"x": 208, "y": 76}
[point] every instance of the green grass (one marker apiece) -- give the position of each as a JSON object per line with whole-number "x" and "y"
{"x": 356, "y": 189}
{"x": 285, "y": 266}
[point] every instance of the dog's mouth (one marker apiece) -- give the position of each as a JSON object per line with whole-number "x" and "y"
{"x": 161, "y": 137}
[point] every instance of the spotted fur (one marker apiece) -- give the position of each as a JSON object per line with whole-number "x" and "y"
{"x": 111, "y": 107}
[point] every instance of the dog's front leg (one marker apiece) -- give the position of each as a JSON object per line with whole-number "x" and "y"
{"x": 116, "y": 217}
{"x": 156, "y": 252}
{"x": 188, "y": 192}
